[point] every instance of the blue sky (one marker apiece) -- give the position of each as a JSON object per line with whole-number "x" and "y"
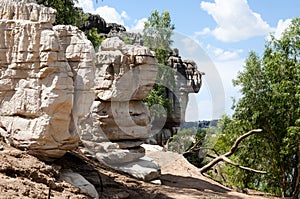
{"x": 217, "y": 34}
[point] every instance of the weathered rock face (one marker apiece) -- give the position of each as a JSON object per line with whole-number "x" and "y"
{"x": 187, "y": 79}
{"x": 119, "y": 121}
{"x": 95, "y": 21}
{"x": 26, "y": 10}
{"x": 52, "y": 94}
{"x": 46, "y": 76}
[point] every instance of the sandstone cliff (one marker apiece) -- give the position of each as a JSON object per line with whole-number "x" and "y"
{"x": 47, "y": 73}
{"x": 55, "y": 91}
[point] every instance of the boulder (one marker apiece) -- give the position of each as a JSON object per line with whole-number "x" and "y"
{"x": 145, "y": 169}
{"x": 79, "y": 181}
{"x": 46, "y": 76}
{"x": 124, "y": 72}
{"x": 124, "y": 76}
{"x": 120, "y": 156}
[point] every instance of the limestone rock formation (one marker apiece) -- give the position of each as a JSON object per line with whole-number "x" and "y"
{"x": 187, "y": 79}
{"x": 119, "y": 121}
{"x": 94, "y": 21}
{"x": 26, "y": 10}
{"x": 46, "y": 76}
{"x": 55, "y": 91}
{"x": 109, "y": 30}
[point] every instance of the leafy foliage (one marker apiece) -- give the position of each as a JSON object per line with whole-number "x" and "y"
{"x": 271, "y": 101}
{"x": 68, "y": 14}
{"x": 157, "y": 34}
{"x": 192, "y": 151}
{"x": 128, "y": 40}
{"x": 182, "y": 140}
{"x": 94, "y": 37}
{"x": 157, "y": 97}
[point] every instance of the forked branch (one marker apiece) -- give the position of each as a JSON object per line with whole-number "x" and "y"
{"x": 225, "y": 156}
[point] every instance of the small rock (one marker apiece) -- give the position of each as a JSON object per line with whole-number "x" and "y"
{"x": 1, "y": 147}
{"x": 121, "y": 156}
{"x": 144, "y": 169}
{"x": 150, "y": 147}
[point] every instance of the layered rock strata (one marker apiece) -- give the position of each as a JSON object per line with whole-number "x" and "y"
{"x": 52, "y": 94}
{"x": 46, "y": 76}
{"x": 119, "y": 121}
{"x": 186, "y": 79}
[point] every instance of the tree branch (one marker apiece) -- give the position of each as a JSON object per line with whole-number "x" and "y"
{"x": 225, "y": 156}
{"x": 225, "y": 159}
{"x": 211, "y": 156}
{"x": 239, "y": 139}
{"x": 211, "y": 164}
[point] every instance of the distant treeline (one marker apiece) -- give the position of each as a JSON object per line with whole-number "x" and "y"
{"x": 200, "y": 124}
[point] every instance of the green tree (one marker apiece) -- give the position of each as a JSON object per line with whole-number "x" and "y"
{"x": 93, "y": 35}
{"x": 182, "y": 140}
{"x": 68, "y": 14}
{"x": 270, "y": 88}
{"x": 157, "y": 34}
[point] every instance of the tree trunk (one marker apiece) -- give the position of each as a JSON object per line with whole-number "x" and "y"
{"x": 295, "y": 185}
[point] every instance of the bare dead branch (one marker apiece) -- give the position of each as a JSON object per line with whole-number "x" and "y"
{"x": 239, "y": 139}
{"x": 194, "y": 146}
{"x": 211, "y": 156}
{"x": 242, "y": 167}
{"x": 202, "y": 148}
{"x": 225, "y": 156}
{"x": 211, "y": 164}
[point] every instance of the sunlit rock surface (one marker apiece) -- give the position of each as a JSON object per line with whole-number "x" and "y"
{"x": 119, "y": 121}
{"x": 47, "y": 73}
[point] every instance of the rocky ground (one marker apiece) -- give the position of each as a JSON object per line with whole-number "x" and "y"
{"x": 24, "y": 176}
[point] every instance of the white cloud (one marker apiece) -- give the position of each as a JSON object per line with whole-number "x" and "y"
{"x": 281, "y": 26}
{"x": 235, "y": 20}
{"x": 139, "y": 25}
{"x": 124, "y": 15}
{"x": 223, "y": 55}
{"x": 190, "y": 46}
{"x": 110, "y": 15}
{"x": 86, "y": 5}
{"x": 205, "y": 31}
